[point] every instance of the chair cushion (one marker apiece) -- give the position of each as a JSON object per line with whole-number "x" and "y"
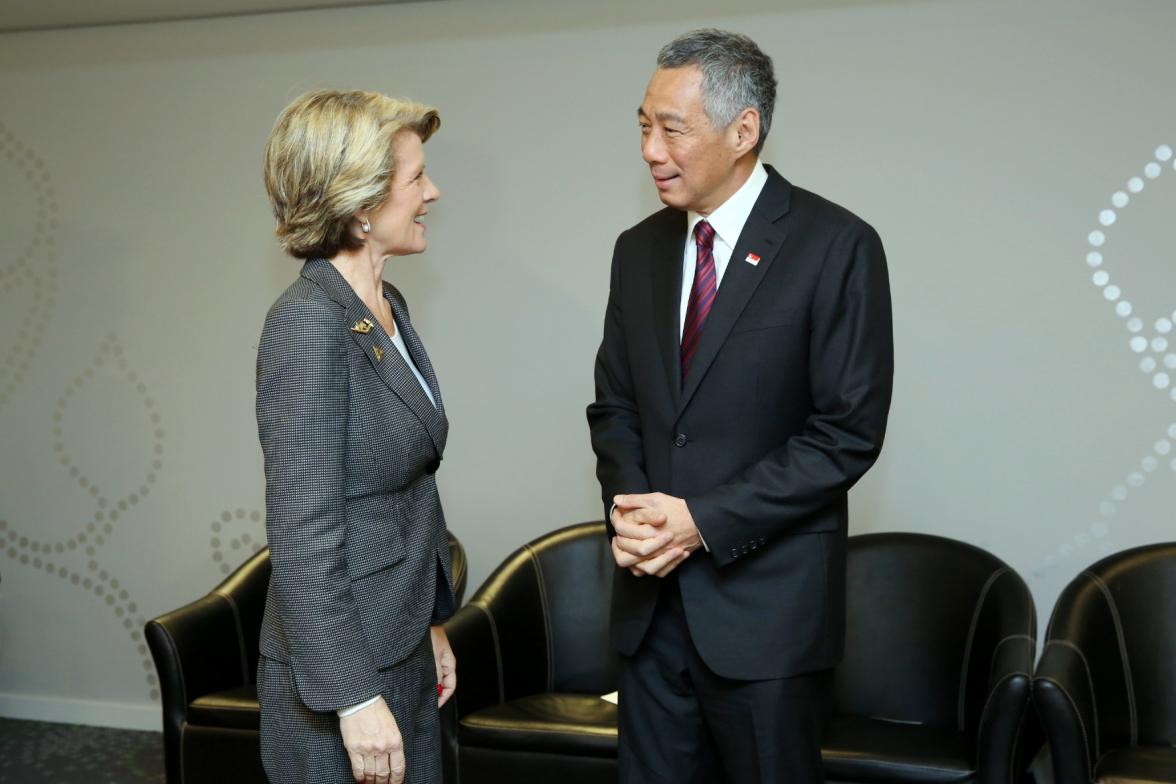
{"x": 578, "y": 724}
{"x": 1142, "y": 764}
{"x": 876, "y": 750}
{"x": 235, "y": 708}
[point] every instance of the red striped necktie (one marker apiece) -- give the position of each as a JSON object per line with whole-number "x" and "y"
{"x": 702, "y": 294}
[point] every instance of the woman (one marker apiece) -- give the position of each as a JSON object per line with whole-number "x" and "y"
{"x": 354, "y": 663}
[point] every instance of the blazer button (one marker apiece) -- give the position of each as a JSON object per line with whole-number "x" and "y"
{"x": 680, "y": 439}
{"x": 734, "y": 552}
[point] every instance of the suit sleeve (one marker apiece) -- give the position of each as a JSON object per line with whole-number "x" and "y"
{"x": 613, "y": 419}
{"x": 851, "y": 368}
{"x": 302, "y": 403}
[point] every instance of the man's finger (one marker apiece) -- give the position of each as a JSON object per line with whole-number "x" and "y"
{"x": 635, "y": 529}
{"x": 659, "y": 562}
{"x": 623, "y": 559}
{"x": 632, "y": 530}
{"x": 643, "y": 548}
{"x": 674, "y": 564}
{"x": 642, "y": 515}
{"x": 635, "y": 500}
{"x": 356, "y": 766}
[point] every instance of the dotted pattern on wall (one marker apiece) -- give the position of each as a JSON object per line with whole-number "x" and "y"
{"x": 1148, "y": 336}
{"x": 78, "y": 559}
{"x": 240, "y": 532}
{"x": 29, "y": 280}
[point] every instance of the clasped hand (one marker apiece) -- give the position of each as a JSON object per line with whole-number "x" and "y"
{"x": 655, "y": 533}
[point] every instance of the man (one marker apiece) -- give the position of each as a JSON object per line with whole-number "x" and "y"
{"x": 742, "y": 386}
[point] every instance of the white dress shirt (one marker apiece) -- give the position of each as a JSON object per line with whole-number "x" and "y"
{"x": 398, "y": 341}
{"x": 727, "y": 221}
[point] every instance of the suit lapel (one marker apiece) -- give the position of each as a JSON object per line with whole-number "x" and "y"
{"x": 438, "y": 423}
{"x": 667, "y": 298}
{"x": 763, "y": 235}
{"x": 389, "y": 365}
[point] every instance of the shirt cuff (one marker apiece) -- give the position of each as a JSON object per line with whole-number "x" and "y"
{"x": 356, "y": 708}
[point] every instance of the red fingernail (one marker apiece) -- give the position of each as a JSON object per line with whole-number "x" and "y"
{"x": 440, "y": 688}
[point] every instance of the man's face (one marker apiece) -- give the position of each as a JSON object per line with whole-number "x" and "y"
{"x": 693, "y": 164}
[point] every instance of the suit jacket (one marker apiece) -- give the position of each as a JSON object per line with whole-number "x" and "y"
{"x": 784, "y": 409}
{"x": 356, "y": 533}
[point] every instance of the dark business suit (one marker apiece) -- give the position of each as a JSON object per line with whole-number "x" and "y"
{"x": 356, "y": 533}
{"x": 783, "y": 410}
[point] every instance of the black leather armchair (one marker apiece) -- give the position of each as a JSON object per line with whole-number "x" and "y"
{"x": 1105, "y": 687}
{"x": 534, "y": 658}
{"x": 934, "y": 686}
{"x": 935, "y": 683}
{"x": 206, "y": 656}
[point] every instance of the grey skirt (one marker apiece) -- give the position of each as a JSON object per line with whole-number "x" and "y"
{"x": 300, "y": 746}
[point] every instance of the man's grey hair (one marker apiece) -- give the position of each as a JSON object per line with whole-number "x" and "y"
{"x": 736, "y": 74}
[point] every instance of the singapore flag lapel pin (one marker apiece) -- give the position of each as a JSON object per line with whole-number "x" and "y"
{"x": 752, "y": 259}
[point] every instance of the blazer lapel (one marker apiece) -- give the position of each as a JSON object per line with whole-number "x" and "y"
{"x": 763, "y": 235}
{"x": 667, "y": 299}
{"x": 389, "y": 365}
{"x": 437, "y": 423}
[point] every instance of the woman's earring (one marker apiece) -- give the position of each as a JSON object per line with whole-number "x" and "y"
{"x": 365, "y": 225}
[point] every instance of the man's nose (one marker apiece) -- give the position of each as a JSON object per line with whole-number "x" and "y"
{"x": 652, "y": 149}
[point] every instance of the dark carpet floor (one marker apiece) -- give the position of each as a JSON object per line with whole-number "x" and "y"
{"x": 37, "y": 752}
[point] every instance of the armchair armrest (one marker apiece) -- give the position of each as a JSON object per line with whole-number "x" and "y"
{"x": 198, "y": 650}
{"x": 1063, "y": 692}
{"x": 1002, "y": 719}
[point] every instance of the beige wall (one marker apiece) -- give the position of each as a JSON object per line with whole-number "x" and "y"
{"x": 982, "y": 139}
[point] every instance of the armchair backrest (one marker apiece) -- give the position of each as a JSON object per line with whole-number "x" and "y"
{"x": 1118, "y": 615}
{"x": 549, "y": 603}
{"x": 924, "y": 617}
{"x": 459, "y": 568}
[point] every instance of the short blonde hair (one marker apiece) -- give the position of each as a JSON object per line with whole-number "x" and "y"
{"x": 330, "y": 156}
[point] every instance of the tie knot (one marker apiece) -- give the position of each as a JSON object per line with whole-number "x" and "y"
{"x": 704, "y": 234}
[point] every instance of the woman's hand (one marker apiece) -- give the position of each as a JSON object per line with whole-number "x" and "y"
{"x": 446, "y": 665}
{"x": 373, "y": 743}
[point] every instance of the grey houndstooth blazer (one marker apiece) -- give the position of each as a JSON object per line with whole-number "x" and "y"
{"x": 356, "y": 533}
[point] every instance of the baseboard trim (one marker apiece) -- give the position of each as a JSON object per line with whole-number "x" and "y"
{"x": 122, "y": 715}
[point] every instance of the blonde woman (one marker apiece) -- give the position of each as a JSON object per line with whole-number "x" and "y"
{"x": 354, "y": 664}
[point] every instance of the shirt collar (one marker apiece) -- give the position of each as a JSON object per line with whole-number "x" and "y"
{"x": 728, "y": 219}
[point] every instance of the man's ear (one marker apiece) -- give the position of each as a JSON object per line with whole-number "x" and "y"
{"x": 747, "y": 131}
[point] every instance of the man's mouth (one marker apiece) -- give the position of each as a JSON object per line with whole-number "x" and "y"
{"x": 664, "y": 181}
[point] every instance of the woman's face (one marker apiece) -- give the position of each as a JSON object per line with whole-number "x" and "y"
{"x": 397, "y": 229}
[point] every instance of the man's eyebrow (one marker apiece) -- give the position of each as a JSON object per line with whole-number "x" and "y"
{"x": 663, "y": 116}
